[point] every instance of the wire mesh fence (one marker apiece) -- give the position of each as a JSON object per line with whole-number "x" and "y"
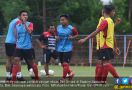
{"x": 82, "y": 54}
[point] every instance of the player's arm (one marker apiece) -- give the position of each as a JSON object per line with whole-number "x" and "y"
{"x": 115, "y": 42}
{"x": 101, "y": 27}
{"x": 15, "y": 32}
{"x": 116, "y": 49}
{"x": 75, "y": 34}
{"x": 89, "y": 36}
{"x": 56, "y": 35}
{"x": 117, "y": 21}
{"x": 29, "y": 28}
{"x": 40, "y": 43}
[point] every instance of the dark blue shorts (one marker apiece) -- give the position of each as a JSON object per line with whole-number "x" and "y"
{"x": 27, "y": 54}
{"x": 65, "y": 56}
{"x": 10, "y": 49}
{"x": 48, "y": 54}
{"x": 105, "y": 54}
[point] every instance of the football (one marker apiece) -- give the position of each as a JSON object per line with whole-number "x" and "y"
{"x": 43, "y": 73}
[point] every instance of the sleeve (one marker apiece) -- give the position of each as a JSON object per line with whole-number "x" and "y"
{"x": 30, "y": 26}
{"x": 103, "y": 25}
{"x": 13, "y": 25}
{"x": 74, "y": 31}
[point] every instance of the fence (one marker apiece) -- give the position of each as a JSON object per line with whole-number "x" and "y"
{"x": 82, "y": 54}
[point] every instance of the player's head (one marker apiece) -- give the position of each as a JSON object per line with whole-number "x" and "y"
{"x": 109, "y": 10}
{"x": 23, "y": 14}
{"x": 64, "y": 19}
{"x": 51, "y": 28}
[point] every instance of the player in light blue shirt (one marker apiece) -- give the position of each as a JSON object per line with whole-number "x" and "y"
{"x": 65, "y": 35}
{"x": 10, "y": 45}
{"x": 10, "y": 38}
{"x": 23, "y": 31}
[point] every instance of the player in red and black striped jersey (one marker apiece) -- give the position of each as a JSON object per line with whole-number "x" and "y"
{"x": 47, "y": 41}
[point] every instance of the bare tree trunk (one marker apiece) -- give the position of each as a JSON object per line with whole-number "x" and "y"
{"x": 37, "y": 6}
{"x": 130, "y": 11}
{"x": 44, "y": 15}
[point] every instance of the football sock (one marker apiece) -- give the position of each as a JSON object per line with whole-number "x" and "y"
{"x": 66, "y": 70}
{"x": 19, "y": 75}
{"x": 35, "y": 70}
{"x": 112, "y": 71}
{"x": 98, "y": 72}
{"x": 109, "y": 68}
{"x": 8, "y": 74}
{"x": 15, "y": 69}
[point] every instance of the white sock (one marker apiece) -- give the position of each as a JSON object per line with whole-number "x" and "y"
{"x": 19, "y": 75}
{"x": 31, "y": 73}
{"x": 8, "y": 74}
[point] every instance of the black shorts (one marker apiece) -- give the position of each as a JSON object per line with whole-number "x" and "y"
{"x": 33, "y": 51}
{"x": 105, "y": 54}
{"x": 65, "y": 56}
{"x": 48, "y": 54}
{"x": 26, "y": 54}
{"x": 10, "y": 49}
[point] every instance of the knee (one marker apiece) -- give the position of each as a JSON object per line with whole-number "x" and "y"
{"x": 16, "y": 60}
{"x": 99, "y": 62}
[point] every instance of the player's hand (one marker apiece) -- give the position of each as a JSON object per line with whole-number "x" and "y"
{"x": 117, "y": 51}
{"x": 70, "y": 37}
{"x": 81, "y": 41}
{"x": 57, "y": 38}
{"x": 23, "y": 20}
{"x": 43, "y": 46}
{"x": 118, "y": 21}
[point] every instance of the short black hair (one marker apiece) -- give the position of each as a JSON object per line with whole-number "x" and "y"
{"x": 108, "y": 8}
{"x": 22, "y": 12}
{"x": 65, "y": 15}
{"x": 50, "y": 25}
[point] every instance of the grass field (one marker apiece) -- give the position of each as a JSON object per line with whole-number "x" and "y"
{"x": 80, "y": 71}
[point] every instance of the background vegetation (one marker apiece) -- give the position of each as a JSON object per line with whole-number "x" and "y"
{"x": 84, "y": 14}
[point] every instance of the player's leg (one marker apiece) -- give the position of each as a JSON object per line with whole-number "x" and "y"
{"x": 55, "y": 56}
{"x": 8, "y": 67}
{"x": 99, "y": 66}
{"x": 107, "y": 66}
{"x": 61, "y": 58}
{"x": 19, "y": 73}
{"x": 47, "y": 57}
{"x": 29, "y": 67}
{"x": 16, "y": 64}
{"x": 28, "y": 55}
{"x": 98, "y": 71}
{"x": 10, "y": 48}
{"x": 112, "y": 70}
{"x": 65, "y": 59}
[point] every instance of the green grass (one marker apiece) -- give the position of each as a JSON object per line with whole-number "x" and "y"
{"x": 80, "y": 71}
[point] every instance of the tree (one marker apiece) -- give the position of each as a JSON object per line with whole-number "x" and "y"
{"x": 122, "y": 12}
{"x": 84, "y": 13}
{"x": 10, "y": 9}
{"x": 130, "y": 11}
